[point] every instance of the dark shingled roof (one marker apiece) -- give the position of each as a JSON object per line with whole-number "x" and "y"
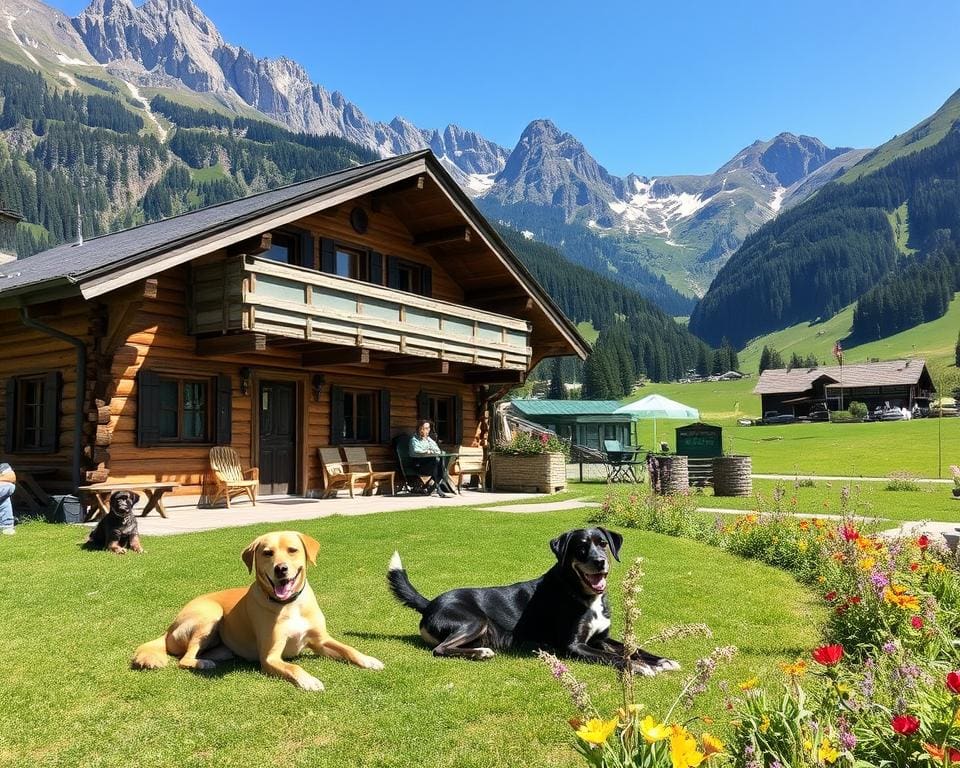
{"x": 889, "y": 373}
{"x": 73, "y": 263}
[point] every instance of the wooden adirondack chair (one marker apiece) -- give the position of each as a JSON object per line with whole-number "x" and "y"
{"x": 336, "y": 474}
{"x": 357, "y": 462}
{"x": 470, "y": 461}
{"x": 229, "y": 478}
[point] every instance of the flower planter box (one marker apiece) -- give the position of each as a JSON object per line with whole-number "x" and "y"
{"x": 540, "y": 473}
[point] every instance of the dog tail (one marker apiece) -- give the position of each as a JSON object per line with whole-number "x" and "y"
{"x": 152, "y": 655}
{"x": 401, "y": 587}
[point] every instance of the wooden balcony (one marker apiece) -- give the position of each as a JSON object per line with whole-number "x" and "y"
{"x": 257, "y": 295}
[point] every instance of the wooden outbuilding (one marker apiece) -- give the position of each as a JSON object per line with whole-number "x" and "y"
{"x": 335, "y": 311}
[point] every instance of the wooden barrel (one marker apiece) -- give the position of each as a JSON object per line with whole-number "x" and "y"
{"x": 673, "y": 475}
{"x": 731, "y": 476}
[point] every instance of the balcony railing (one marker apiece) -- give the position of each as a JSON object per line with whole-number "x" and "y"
{"x": 259, "y": 295}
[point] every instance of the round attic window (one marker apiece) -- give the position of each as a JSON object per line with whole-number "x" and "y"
{"x": 358, "y": 220}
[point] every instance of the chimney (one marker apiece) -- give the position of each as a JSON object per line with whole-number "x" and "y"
{"x": 79, "y": 225}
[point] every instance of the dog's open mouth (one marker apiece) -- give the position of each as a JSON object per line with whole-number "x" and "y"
{"x": 283, "y": 589}
{"x": 596, "y": 582}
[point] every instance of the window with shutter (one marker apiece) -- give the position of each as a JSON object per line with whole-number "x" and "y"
{"x": 175, "y": 410}
{"x": 445, "y": 413}
{"x": 33, "y": 413}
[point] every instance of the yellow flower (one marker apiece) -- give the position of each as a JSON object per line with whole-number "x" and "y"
{"x": 807, "y": 744}
{"x": 683, "y": 748}
{"x": 802, "y": 545}
{"x": 797, "y": 669}
{"x": 711, "y": 745}
{"x": 596, "y": 731}
{"x": 843, "y": 690}
{"x": 827, "y": 752}
{"x": 899, "y": 597}
{"x": 653, "y": 731}
{"x": 764, "y": 724}
{"x": 866, "y": 563}
{"x": 749, "y": 685}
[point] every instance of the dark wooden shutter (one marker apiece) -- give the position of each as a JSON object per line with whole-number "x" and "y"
{"x": 384, "y": 415}
{"x": 457, "y": 420}
{"x": 11, "y": 408}
{"x": 336, "y": 415}
{"x": 426, "y": 281}
{"x": 148, "y": 408}
{"x": 393, "y": 272}
{"x": 224, "y": 434}
{"x": 306, "y": 250}
{"x": 328, "y": 255}
{"x": 376, "y": 268}
{"x": 423, "y": 407}
{"x": 50, "y": 434}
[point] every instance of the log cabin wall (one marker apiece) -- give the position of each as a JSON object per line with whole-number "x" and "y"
{"x": 27, "y": 352}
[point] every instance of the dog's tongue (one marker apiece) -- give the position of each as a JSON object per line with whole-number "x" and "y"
{"x": 597, "y": 581}
{"x": 284, "y": 589}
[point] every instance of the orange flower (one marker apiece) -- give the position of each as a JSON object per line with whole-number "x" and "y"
{"x": 898, "y": 596}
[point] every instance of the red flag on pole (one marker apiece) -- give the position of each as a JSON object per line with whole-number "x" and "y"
{"x": 838, "y": 352}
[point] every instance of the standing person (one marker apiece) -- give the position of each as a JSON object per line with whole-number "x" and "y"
{"x": 8, "y": 484}
{"x": 425, "y": 454}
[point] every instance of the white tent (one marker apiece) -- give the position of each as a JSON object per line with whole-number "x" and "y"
{"x": 658, "y": 407}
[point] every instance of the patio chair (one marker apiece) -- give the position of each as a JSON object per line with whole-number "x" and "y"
{"x": 411, "y": 480}
{"x": 470, "y": 461}
{"x": 229, "y": 478}
{"x": 337, "y": 476}
{"x": 357, "y": 461}
{"x": 621, "y": 463}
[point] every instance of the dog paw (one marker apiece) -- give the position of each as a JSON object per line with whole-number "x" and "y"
{"x": 308, "y": 682}
{"x": 644, "y": 670}
{"x": 368, "y": 662}
{"x": 482, "y": 654}
{"x": 667, "y": 665}
{"x": 205, "y": 664}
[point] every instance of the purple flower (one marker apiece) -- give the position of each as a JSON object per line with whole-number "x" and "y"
{"x": 889, "y": 647}
{"x": 847, "y": 738}
{"x": 879, "y": 581}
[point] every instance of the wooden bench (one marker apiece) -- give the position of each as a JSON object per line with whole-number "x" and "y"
{"x": 96, "y": 497}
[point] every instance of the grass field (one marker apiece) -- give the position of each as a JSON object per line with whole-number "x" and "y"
{"x": 72, "y": 619}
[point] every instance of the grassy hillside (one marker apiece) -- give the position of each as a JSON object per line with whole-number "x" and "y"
{"x": 933, "y": 341}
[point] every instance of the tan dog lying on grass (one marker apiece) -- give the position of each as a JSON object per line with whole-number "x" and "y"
{"x": 273, "y": 619}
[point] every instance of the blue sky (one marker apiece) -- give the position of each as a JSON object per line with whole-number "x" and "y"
{"x": 651, "y": 87}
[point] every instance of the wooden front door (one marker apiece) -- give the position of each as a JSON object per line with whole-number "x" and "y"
{"x": 278, "y": 437}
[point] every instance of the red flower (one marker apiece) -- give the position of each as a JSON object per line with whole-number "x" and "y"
{"x": 830, "y": 596}
{"x": 842, "y": 609}
{"x": 953, "y": 682}
{"x": 849, "y": 533}
{"x": 905, "y": 724}
{"x": 923, "y": 542}
{"x": 855, "y": 600}
{"x": 917, "y": 622}
{"x": 828, "y": 655}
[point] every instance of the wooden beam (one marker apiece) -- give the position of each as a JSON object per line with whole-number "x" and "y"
{"x": 232, "y": 344}
{"x": 336, "y": 356}
{"x": 413, "y": 183}
{"x": 401, "y": 369}
{"x": 252, "y": 246}
{"x": 439, "y": 236}
{"x": 494, "y": 376}
{"x": 131, "y": 299}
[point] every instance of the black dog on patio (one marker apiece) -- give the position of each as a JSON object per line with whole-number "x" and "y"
{"x": 117, "y": 530}
{"x": 566, "y": 609}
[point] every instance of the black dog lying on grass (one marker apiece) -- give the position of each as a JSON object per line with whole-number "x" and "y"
{"x": 117, "y": 530}
{"x": 566, "y": 609}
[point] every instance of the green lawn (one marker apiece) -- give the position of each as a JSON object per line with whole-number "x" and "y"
{"x": 930, "y": 501}
{"x": 72, "y": 619}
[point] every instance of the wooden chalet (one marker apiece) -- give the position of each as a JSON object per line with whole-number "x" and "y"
{"x": 335, "y": 311}
{"x": 899, "y": 383}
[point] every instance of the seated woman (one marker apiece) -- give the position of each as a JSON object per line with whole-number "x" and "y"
{"x": 425, "y": 455}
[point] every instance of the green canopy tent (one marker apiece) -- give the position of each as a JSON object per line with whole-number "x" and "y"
{"x": 658, "y": 407}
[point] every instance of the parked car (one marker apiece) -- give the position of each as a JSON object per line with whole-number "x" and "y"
{"x": 819, "y": 412}
{"x": 774, "y": 417}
